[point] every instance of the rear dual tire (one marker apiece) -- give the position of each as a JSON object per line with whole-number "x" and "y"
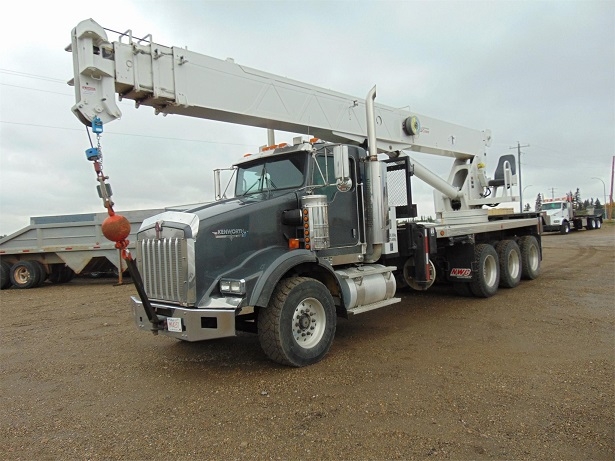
{"x": 27, "y": 274}
{"x": 60, "y": 273}
{"x": 509, "y": 256}
{"x": 530, "y": 257}
{"x": 5, "y": 281}
{"x": 486, "y": 278}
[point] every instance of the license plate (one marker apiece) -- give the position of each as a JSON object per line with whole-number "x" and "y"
{"x": 174, "y": 324}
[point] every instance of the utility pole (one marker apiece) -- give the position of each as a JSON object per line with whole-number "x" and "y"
{"x": 612, "y": 175}
{"x": 519, "y": 146}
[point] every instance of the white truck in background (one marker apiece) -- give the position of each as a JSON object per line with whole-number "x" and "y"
{"x": 559, "y": 215}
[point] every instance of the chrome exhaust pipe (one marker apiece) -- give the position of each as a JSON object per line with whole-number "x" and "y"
{"x": 371, "y": 124}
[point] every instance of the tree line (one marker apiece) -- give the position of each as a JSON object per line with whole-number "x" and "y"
{"x": 577, "y": 202}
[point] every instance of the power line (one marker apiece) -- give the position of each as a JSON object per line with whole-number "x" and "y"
{"x": 35, "y": 89}
{"x": 37, "y": 77}
{"x": 132, "y": 134}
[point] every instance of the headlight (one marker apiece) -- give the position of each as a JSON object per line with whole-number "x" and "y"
{"x": 233, "y": 287}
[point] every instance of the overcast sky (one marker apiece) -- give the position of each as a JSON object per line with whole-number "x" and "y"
{"x": 541, "y": 73}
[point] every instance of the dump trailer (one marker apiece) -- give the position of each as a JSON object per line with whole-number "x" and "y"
{"x": 318, "y": 228}
{"x": 560, "y": 215}
{"x": 55, "y": 248}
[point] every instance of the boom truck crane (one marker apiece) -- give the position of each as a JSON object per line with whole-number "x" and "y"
{"x": 314, "y": 230}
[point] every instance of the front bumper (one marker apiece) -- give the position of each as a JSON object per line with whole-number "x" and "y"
{"x": 196, "y": 324}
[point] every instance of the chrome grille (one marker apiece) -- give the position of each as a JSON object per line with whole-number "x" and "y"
{"x": 164, "y": 268}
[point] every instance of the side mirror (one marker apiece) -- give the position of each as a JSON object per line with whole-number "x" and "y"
{"x": 341, "y": 167}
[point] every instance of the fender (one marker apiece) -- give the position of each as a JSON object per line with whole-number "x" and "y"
{"x": 275, "y": 271}
{"x": 263, "y": 269}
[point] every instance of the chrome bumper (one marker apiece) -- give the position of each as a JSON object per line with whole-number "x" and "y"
{"x": 197, "y": 324}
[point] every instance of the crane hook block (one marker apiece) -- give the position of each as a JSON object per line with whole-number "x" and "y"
{"x": 97, "y": 125}
{"x": 92, "y": 154}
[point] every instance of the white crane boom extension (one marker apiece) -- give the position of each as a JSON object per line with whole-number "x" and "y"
{"x": 177, "y": 81}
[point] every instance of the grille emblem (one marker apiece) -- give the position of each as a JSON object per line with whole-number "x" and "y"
{"x": 158, "y": 229}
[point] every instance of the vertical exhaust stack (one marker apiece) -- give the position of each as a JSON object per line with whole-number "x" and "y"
{"x": 377, "y": 194}
{"x": 371, "y": 124}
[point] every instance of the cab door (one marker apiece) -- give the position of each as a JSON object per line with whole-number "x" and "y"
{"x": 343, "y": 210}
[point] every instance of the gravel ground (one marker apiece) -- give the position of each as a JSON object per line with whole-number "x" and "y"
{"x": 527, "y": 374}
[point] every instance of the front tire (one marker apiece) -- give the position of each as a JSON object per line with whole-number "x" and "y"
{"x": 486, "y": 278}
{"x": 564, "y": 228}
{"x": 298, "y": 325}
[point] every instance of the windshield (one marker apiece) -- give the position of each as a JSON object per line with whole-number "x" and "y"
{"x": 270, "y": 174}
{"x": 551, "y": 206}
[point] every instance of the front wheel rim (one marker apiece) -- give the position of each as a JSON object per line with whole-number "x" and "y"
{"x": 309, "y": 321}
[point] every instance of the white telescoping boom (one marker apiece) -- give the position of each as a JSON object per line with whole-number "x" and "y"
{"x": 174, "y": 80}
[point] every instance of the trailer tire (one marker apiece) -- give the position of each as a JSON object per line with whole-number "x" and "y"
{"x": 530, "y": 257}
{"x": 598, "y": 223}
{"x": 486, "y": 277}
{"x": 590, "y": 224}
{"x": 298, "y": 325}
{"x": 564, "y": 228}
{"x": 6, "y": 276}
{"x": 61, "y": 273}
{"x": 26, "y": 274}
{"x": 509, "y": 255}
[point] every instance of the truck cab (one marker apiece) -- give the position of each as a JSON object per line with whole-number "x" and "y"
{"x": 557, "y": 215}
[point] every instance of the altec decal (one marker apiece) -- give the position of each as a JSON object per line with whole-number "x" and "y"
{"x": 230, "y": 233}
{"x": 461, "y": 272}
